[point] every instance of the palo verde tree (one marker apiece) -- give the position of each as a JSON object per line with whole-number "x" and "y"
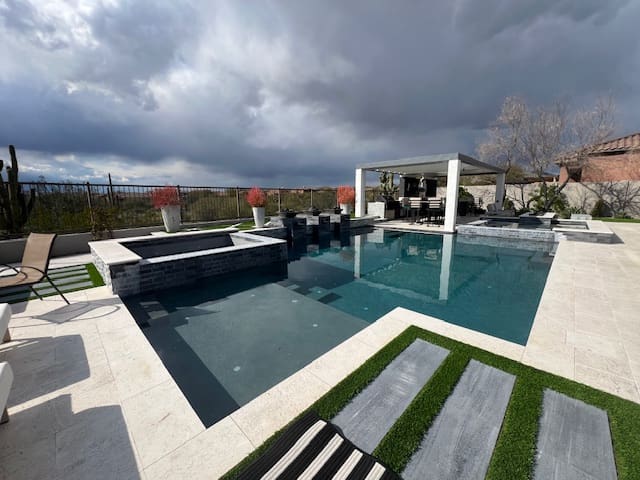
{"x": 546, "y": 137}
{"x": 14, "y": 205}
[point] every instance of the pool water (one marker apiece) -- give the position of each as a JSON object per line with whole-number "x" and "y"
{"x": 228, "y": 339}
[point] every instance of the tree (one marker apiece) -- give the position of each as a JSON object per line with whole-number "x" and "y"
{"x": 622, "y": 198}
{"x": 503, "y": 146}
{"x": 547, "y": 136}
{"x": 387, "y": 187}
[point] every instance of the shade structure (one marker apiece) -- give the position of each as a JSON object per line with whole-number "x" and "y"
{"x": 450, "y": 165}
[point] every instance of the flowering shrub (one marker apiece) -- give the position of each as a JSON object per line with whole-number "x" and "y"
{"x": 165, "y": 196}
{"x": 346, "y": 194}
{"x": 256, "y": 197}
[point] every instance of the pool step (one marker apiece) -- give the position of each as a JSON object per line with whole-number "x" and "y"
{"x": 370, "y": 415}
{"x": 574, "y": 441}
{"x": 461, "y": 440}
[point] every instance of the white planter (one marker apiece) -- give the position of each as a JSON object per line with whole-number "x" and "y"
{"x": 346, "y": 208}
{"x": 258, "y": 216}
{"x": 171, "y": 217}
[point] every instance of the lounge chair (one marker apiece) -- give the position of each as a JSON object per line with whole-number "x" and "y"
{"x": 313, "y": 448}
{"x": 34, "y": 265}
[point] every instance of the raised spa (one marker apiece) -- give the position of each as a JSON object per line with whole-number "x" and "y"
{"x": 143, "y": 264}
{"x": 544, "y": 228}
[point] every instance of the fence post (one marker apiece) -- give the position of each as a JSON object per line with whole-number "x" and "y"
{"x": 90, "y": 202}
{"x": 238, "y": 201}
{"x": 311, "y": 206}
{"x": 279, "y": 202}
{"x": 180, "y": 199}
{"x": 110, "y": 191}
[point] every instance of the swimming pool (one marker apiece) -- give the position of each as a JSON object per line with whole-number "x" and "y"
{"x": 228, "y": 339}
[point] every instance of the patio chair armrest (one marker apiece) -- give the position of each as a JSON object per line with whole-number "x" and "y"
{"x": 36, "y": 269}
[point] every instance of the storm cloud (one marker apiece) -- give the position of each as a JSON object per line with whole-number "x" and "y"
{"x": 286, "y": 93}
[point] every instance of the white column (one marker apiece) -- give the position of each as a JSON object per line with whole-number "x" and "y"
{"x": 500, "y": 181}
{"x": 361, "y": 204}
{"x": 451, "y": 208}
{"x": 445, "y": 265}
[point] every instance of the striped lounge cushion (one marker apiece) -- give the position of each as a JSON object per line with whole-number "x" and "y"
{"x": 314, "y": 449}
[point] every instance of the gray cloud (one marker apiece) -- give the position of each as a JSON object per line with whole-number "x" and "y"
{"x": 286, "y": 93}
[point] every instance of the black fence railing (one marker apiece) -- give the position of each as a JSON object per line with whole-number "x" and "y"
{"x": 81, "y": 207}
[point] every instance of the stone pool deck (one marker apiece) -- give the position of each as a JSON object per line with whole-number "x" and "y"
{"x": 91, "y": 399}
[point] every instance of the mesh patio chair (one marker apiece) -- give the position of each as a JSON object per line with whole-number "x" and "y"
{"x": 34, "y": 265}
{"x": 435, "y": 209}
{"x": 416, "y": 209}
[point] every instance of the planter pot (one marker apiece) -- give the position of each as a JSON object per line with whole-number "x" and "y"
{"x": 171, "y": 218}
{"x": 258, "y": 216}
{"x": 287, "y": 214}
{"x": 346, "y": 208}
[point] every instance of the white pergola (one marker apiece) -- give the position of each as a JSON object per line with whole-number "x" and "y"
{"x": 450, "y": 165}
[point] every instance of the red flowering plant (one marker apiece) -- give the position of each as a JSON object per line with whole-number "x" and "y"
{"x": 346, "y": 194}
{"x": 256, "y": 197}
{"x": 165, "y": 196}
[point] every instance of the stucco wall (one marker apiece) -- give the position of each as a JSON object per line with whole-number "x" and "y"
{"x": 578, "y": 195}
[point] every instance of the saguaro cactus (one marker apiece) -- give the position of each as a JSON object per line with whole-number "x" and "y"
{"x": 14, "y": 206}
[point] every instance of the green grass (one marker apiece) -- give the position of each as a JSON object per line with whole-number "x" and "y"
{"x": 620, "y": 220}
{"x": 94, "y": 275}
{"x": 513, "y": 457}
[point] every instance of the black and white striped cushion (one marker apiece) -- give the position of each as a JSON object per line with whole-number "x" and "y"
{"x": 312, "y": 448}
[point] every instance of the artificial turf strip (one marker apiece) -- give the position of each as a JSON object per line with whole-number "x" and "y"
{"x": 514, "y": 454}
{"x": 398, "y": 445}
{"x": 94, "y": 275}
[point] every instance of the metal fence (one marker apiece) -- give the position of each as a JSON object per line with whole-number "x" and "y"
{"x": 81, "y": 207}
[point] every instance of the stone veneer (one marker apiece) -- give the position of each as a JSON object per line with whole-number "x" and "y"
{"x": 366, "y": 221}
{"x": 596, "y": 232}
{"x": 527, "y": 234}
{"x": 128, "y": 274}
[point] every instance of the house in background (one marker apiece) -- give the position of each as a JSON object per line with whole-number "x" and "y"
{"x": 616, "y": 160}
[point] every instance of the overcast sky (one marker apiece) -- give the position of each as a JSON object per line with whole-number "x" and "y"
{"x": 290, "y": 93}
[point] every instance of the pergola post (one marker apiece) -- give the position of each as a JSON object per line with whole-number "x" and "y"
{"x": 500, "y": 181}
{"x": 361, "y": 203}
{"x": 451, "y": 207}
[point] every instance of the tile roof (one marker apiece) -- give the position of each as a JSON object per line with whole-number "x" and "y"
{"x": 622, "y": 144}
{"x": 629, "y": 142}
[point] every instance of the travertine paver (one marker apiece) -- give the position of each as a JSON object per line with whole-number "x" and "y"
{"x": 587, "y": 327}
{"x": 370, "y": 415}
{"x": 460, "y": 442}
{"x": 574, "y": 441}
